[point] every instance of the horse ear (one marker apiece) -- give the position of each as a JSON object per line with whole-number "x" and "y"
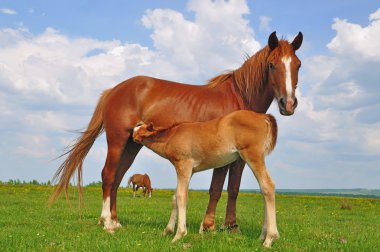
{"x": 297, "y": 42}
{"x": 150, "y": 127}
{"x": 273, "y": 41}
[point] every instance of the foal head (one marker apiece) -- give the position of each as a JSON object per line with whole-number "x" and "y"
{"x": 283, "y": 65}
{"x": 143, "y": 130}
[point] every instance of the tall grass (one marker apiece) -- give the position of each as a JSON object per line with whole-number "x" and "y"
{"x": 306, "y": 223}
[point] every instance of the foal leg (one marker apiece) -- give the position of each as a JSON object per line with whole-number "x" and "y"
{"x": 234, "y": 179}
{"x": 169, "y": 229}
{"x": 184, "y": 172}
{"x": 269, "y": 232}
{"x": 215, "y": 191}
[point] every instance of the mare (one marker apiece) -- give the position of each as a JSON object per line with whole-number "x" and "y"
{"x": 197, "y": 146}
{"x": 143, "y": 181}
{"x": 271, "y": 73}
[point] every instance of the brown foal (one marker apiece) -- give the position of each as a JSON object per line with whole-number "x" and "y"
{"x": 198, "y": 146}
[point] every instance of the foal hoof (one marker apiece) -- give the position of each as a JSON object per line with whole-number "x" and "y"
{"x": 269, "y": 240}
{"x": 167, "y": 232}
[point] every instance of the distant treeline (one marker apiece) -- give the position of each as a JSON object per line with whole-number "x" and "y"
{"x": 19, "y": 182}
{"x": 356, "y": 192}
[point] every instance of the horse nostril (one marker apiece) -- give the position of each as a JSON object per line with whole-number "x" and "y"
{"x": 282, "y": 102}
{"x": 295, "y": 102}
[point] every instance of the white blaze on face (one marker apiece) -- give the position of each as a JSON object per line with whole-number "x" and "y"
{"x": 288, "y": 75}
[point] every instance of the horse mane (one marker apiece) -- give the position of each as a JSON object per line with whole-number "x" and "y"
{"x": 252, "y": 75}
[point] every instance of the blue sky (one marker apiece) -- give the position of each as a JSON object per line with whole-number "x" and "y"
{"x": 57, "y": 57}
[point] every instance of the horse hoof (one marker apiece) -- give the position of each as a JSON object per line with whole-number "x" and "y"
{"x": 206, "y": 228}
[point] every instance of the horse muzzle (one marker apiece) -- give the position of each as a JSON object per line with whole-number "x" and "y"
{"x": 287, "y": 105}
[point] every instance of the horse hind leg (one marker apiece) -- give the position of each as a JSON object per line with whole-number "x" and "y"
{"x": 128, "y": 156}
{"x": 108, "y": 178}
{"x": 117, "y": 163}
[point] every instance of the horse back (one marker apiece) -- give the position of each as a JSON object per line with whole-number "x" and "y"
{"x": 166, "y": 103}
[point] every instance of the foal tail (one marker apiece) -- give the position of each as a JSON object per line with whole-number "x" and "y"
{"x": 78, "y": 151}
{"x": 271, "y": 134}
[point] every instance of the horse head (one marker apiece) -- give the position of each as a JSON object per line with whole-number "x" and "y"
{"x": 283, "y": 66}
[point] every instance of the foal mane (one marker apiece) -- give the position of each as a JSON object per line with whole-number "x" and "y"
{"x": 252, "y": 75}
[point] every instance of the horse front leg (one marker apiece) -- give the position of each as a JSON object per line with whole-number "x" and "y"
{"x": 215, "y": 191}
{"x": 234, "y": 179}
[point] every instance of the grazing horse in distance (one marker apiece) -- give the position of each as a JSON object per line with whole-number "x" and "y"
{"x": 143, "y": 181}
{"x": 197, "y": 146}
{"x": 271, "y": 73}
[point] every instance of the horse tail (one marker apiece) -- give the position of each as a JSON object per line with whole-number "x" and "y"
{"x": 78, "y": 151}
{"x": 271, "y": 139}
{"x": 130, "y": 181}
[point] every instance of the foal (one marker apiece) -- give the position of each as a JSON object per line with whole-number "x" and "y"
{"x": 198, "y": 146}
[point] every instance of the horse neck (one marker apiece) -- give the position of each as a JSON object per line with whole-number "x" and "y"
{"x": 251, "y": 81}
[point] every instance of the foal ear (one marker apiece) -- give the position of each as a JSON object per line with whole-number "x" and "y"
{"x": 297, "y": 42}
{"x": 273, "y": 40}
{"x": 150, "y": 127}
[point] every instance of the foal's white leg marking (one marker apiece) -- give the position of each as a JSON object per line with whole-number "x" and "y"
{"x": 288, "y": 75}
{"x": 182, "y": 195}
{"x": 269, "y": 232}
{"x": 173, "y": 218}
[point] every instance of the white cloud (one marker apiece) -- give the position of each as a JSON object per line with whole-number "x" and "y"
{"x": 200, "y": 48}
{"x": 361, "y": 43}
{"x": 264, "y": 24}
{"x": 8, "y": 11}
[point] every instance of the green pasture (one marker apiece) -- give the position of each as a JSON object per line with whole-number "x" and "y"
{"x": 306, "y": 223}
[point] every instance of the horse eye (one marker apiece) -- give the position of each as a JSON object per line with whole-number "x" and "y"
{"x": 271, "y": 66}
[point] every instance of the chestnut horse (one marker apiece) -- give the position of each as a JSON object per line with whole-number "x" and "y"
{"x": 143, "y": 181}
{"x": 198, "y": 146}
{"x": 271, "y": 73}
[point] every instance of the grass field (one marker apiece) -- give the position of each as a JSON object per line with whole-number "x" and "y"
{"x": 306, "y": 223}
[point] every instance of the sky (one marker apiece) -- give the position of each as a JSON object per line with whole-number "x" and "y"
{"x": 56, "y": 57}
